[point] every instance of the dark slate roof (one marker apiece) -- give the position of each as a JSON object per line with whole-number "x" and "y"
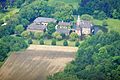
{"x": 44, "y": 19}
{"x": 61, "y": 30}
{"x": 64, "y": 24}
{"x": 35, "y": 26}
{"x": 86, "y": 24}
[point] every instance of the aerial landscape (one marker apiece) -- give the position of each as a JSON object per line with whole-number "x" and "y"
{"x": 59, "y": 39}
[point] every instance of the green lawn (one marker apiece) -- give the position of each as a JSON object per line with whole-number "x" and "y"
{"x": 113, "y": 24}
{"x": 59, "y": 43}
{"x": 72, "y": 2}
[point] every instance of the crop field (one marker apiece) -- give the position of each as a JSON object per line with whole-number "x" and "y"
{"x": 37, "y": 62}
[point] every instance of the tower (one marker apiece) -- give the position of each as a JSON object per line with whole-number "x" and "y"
{"x": 78, "y": 21}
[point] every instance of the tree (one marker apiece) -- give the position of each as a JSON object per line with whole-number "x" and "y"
{"x": 74, "y": 36}
{"x": 51, "y": 28}
{"x": 86, "y": 17}
{"x": 63, "y": 12}
{"x": 57, "y": 36}
{"x": 41, "y": 42}
{"x": 77, "y": 43}
{"x": 97, "y": 58}
{"x": 38, "y": 35}
{"x": 3, "y": 4}
{"x": 26, "y": 34}
{"x": 19, "y": 29}
{"x": 4, "y": 49}
{"x": 24, "y": 22}
{"x": 65, "y": 43}
{"x": 53, "y": 42}
{"x": 30, "y": 41}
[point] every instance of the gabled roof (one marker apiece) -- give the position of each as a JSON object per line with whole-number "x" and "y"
{"x": 61, "y": 30}
{"x": 86, "y": 24}
{"x": 44, "y": 19}
{"x": 64, "y": 24}
{"x": 35, "y": 26}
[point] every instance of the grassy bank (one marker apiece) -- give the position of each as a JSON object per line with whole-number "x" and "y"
{"x": 113, "y": 24}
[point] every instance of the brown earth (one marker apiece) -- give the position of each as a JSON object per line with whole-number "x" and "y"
{"x": 37, "y": 62}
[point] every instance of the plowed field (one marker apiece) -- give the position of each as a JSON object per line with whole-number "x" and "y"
{"x": 36, "y": 62}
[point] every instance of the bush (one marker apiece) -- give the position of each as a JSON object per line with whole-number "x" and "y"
{"x": 38, "y": 35}
{"x": 59, "y": 37}
{"x": 86, "y": 17}
{"x": 53, "y": 42}
{"x": 73, "y": 36}
{"x": 65, "y": 43}
{"x": 63, "y": 35}
{"x": 41, "y": 42}
{"x": 30, "y": 41}
{"x": 27, "y": 34}
{"x": 77, "y": 43}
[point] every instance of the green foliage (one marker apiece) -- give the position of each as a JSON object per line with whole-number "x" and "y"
{"x": 97, "y": 59}
{"x": 63, "y": 35}
{"x": 65, "y": 43}
{"x": 38, "y": 35}
{"x": 100, "y": 8}
{"x": 41, "y": 42}
{"x": 73, "y": 36}
{"x": 57, "y": 36}
{"x": 86, "y": 17}
{"x": 53, "y": 42}
{"x": 63, "y": 76}
{"x": 26, "y": 34}
{"x": 77, "y": 43}
{"x": 51, "y": 28}
{"x": 63, "y": 12}
{"x": 19, "y": 29}
{"x": 30, "y": 41}
{"x": 10, "y": 43}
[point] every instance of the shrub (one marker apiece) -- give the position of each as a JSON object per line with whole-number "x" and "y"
{"x": 38, "y": 35}
{"x": 30, "y": 41}
{"x": 63, "y": 35}
{"x": 73, "y": 36}
{"x": 26, "y": 34}
{"x": 77, "y": 43}
{"x": 41, "y": 42}
{"x": 65, "y": 43}
{"x": 59, "y": 37}
{"x": 53, "y": 42}
{"x": 86, "y": 17}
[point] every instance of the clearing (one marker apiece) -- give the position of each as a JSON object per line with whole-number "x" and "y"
{"x": 37, "y": 62}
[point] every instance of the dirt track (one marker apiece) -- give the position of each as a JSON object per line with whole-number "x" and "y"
{"x": 36, "y": 62}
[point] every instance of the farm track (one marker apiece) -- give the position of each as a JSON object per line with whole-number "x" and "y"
{"x": 36, "y": 63}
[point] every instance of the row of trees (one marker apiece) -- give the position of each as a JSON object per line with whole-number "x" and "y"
{"x": 54, "y": 42}
{"x": 100, "y": 8}
{"x": 98, "y": 58}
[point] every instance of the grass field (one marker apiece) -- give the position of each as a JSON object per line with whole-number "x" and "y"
{"x": 113, "y": 24}
{"x": 36, "y": 62}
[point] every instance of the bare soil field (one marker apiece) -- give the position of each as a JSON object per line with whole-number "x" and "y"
{"x": 37, "y": 62}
